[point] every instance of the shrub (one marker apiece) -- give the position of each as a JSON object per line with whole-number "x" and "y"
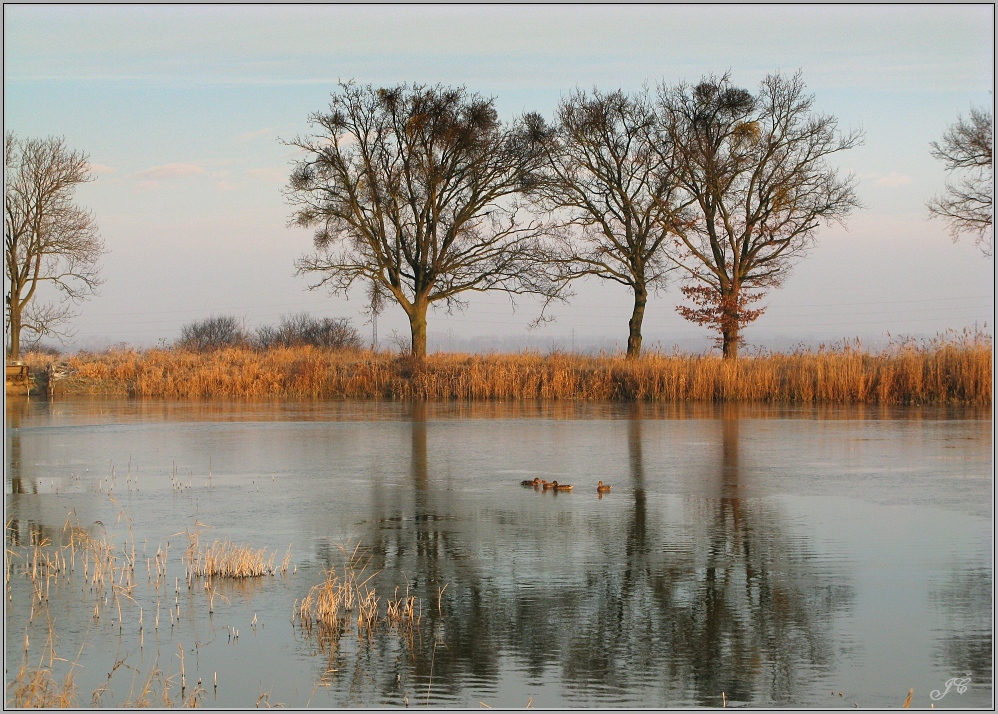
{"x": 212, "y": 333}
{"x": 303, "y": 329}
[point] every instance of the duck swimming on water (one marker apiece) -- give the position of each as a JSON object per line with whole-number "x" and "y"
{"x": 534, "y": 483}
{"x": 600, "y": 488}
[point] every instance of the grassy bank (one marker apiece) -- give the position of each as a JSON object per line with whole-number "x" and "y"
{"x": 957, "y": 370}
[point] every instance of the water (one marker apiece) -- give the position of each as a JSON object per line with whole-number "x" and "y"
{"x": 780, "y": 556}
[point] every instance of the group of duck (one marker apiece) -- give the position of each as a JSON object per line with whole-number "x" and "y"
{"x": 539, "y": 484}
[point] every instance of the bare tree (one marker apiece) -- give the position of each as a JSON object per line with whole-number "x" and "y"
{"x": 755, "y": 169}
{"x": 604, "y": 175}
{"x": 47, "y": 238}
{"x": 967, "y": 205}
{"x": 413, "y": 188}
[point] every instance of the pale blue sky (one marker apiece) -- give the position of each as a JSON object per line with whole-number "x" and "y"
{"x": 180, "y": 109}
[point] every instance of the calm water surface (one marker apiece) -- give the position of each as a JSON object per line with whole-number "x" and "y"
{"x": 780, "y": 556}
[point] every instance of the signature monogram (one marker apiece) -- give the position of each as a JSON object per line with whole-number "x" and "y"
{"x": 958, "y": 683}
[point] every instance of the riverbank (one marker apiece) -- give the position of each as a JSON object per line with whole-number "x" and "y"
{"x": 953, "y": 371}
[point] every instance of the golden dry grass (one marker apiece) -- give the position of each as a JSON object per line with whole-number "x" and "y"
{"x": 225, "y": 559}
{"x": 345, "y": 597}
{"x": 37, "y": 688}
{"x": 955, "y": 369}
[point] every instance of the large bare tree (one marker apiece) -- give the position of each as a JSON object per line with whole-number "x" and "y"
{"x": 755, "y": 168}
{"x": 413, "y": 188}
{"x": 604, "y": 176}
{"x": 967, "y": 205}
{"x": 47, "y": 238}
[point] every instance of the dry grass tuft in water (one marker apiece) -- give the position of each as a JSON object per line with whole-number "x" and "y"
{"x": 952, "y": 369}
{"x": 225, "y": 559}
{"x": 37, "y": 688}
{"x": 327, "y": 611}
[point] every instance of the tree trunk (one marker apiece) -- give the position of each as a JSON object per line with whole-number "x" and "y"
{"x": 417, "y": 323}
{"x": 729, "y": 347}
{"x": 634, "y": 324}
{"x": 729, "y": 332}
{"x": 15, "y": 334}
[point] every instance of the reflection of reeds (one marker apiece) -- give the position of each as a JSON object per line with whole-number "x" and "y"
{"x": 953, "y": 369}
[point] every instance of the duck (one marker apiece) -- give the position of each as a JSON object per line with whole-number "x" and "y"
{"x": 600, "y": 488}
{"x": 533, "y": 483}
{"x": 561, "y": 486}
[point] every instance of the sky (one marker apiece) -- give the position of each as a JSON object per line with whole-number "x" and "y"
{"x": 182, "y": 110}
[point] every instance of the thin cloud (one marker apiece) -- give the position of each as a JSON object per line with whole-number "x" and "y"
{"x": 893, "y": 179}
{"x": 250, "y": 135}
{"x": 269, "y": 175}
{"x": 102, "y": 169}
{"x": 225, "y": 186}
{"x": 170, "y": 171}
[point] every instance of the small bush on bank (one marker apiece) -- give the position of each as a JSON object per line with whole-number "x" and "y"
{"x": 213, "y": 333}
{"x": 304, "y": 330}
{"x": 301, "y": 330}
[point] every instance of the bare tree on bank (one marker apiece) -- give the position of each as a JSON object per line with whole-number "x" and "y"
{"x": 604, "y": 175}
{"x": 413, "y": 189}
{"x": 755, "y": 168}
{"x": 47, "y": 239}
{"x": 967, "y": 206}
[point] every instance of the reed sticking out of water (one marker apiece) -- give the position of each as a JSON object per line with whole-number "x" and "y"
{"x": 952, "y": 369}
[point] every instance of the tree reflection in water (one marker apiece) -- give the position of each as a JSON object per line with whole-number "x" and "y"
{"x": 668, "y": 606}
{"x": 965, "y": 646}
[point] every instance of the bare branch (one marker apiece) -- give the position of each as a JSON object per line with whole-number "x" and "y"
{"x": 967, "y": 205}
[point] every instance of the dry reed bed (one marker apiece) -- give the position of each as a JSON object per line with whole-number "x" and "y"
{"x": 952, "y": 370}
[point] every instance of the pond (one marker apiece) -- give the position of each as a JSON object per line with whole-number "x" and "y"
{"x": 746, "y": 555}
